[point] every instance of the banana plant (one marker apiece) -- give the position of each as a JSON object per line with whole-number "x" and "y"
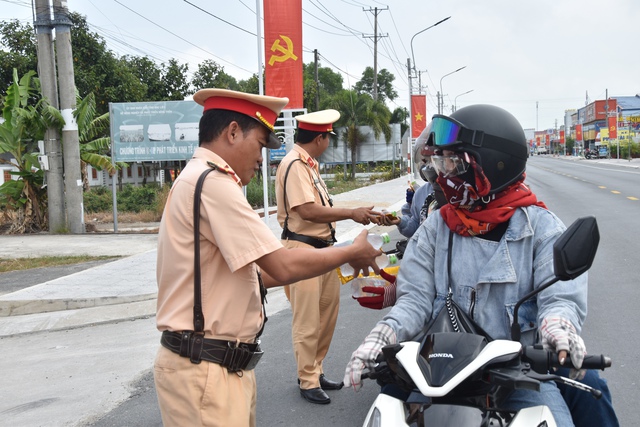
{"x": 26, "y": 116}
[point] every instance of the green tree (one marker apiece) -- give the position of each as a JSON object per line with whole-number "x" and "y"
{"x": 174, "y": 77}
{"x": 17, "y": 51}
{"x": 211, "y": 74}
{"x": 251, "y": 85}
{"x": 329, "y": 84}
{"x": 150, "y": 75}
{"x": 384, "y": 84}
{"x": 95, "y": 144}
{"x": 401, "y": 115}
{"x": 26, "y": 117}
{"x": 356, "y": 110}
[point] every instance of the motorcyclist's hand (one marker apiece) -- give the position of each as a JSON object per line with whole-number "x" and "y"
{"x": 386, "y": 220}
{"x": 365, "y": 216}
{"x": 385, "y": 295}
{"x": 559, "y": 335}
{"x": 364, "y": 255}
{"x": 366, "y": 354}
{"x": 409, "y": 197}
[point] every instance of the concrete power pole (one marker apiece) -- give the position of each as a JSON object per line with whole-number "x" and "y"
{"x": 52, "y": 146}
{"x": 375, "y": 11}
{"x": 70, "y": 140}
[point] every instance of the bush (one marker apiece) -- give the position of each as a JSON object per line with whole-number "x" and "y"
{"x": 130, "y": 199}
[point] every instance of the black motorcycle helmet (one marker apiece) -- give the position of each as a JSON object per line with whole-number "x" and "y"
{"x": 492, "y": 135}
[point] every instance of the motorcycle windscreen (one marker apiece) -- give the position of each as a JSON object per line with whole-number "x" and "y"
{"x": 452, "y": 415}
{"x": 444, "y": 354}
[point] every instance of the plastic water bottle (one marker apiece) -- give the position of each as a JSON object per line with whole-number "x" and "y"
{"x": 375, "y": 240}
{"x": 385, "y": 260}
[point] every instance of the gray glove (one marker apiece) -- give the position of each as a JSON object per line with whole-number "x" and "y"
{"x": 559, "y": 334}
{"x": 366, "y": 354}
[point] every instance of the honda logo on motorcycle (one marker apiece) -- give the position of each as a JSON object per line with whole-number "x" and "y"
{"x": 441, "y": 355}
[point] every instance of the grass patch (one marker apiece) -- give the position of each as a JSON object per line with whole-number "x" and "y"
{"x": 19, "y": 264}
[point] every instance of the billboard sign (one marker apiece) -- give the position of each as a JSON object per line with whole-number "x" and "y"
{"x": 154, "y": 131}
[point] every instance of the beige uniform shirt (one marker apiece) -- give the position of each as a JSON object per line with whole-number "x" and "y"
{"x": 304, "y": 185}
{"x": 232, "y": 237}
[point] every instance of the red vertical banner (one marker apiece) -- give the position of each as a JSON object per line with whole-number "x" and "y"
{"x": 546, "y": 139}
{"x": 578, "y": 132}
{"x": 283, "y": 50}
{"x": 418, "y": 114}
{"x": 613, "y": 127}
{"x": 561, "y": 137}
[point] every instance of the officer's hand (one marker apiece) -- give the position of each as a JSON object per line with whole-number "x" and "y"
{"x": 365, "y": 216}
{"x": 364, "y": 255}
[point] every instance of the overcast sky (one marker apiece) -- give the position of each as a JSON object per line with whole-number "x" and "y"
{"x": 533, "y": 58}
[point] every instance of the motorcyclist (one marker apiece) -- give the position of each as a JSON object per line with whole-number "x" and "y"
{"x": 499, "y": 238}
{"x": 428, "y": 198}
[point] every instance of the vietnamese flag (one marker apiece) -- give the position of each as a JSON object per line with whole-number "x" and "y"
{"x": 283, "y": 50}
{"x": 418, "y": 114}
{"x": 578, "y": 132}
{"x": 561, "y": 137}
{"x": 613, "y": 127}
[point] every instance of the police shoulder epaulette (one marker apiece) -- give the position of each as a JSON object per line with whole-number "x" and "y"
{"x": 226, "y": 170}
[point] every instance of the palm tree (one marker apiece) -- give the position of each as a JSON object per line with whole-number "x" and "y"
{"x": 94, "y": 142}
{"x": 26, "y": 117}
{"x": 356, "y": 110}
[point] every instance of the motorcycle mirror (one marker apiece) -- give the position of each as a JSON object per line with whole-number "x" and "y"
{"x": 573, "y": 254}
{"x": 575, "y": 249}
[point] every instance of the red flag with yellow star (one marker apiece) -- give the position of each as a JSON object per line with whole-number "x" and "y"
{"x": 283, "y": 50}
{"x": 578, "y": 132}
{"x": 418, "y": 114}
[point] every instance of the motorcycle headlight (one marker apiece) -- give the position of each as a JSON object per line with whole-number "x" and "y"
{"x": 375, "y": 420}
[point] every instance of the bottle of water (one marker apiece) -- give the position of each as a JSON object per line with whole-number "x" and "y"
{"x": 383, "y": 260}
{"x": 377, "y": 240}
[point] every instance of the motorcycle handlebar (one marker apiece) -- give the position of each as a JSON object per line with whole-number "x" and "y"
{"x": 542, "y": 360}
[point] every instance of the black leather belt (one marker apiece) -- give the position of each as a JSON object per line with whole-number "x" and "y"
{"x": 240, "y": 357}
{"x": 313, "y": 241}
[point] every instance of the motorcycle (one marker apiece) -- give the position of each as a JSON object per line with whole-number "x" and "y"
{"x": 591, "y": 155}
{"x": 457, "y": 378}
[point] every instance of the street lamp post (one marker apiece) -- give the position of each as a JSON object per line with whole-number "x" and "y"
{"x": 422, "y": 31}
{"x": 441, "y": 104}
{"x": 413, "y": 66}
{"x": 455, "y": 100}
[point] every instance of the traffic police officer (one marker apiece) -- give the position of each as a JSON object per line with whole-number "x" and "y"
{"x": 212, "y": 250}
{"x": 308, "y": 218}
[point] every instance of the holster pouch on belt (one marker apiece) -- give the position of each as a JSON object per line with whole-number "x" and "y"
{"x": 229, "y": 354}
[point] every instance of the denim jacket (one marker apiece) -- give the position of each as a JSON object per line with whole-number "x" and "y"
{"x": 410, "y": 219}
{"x": 487, "y": 278}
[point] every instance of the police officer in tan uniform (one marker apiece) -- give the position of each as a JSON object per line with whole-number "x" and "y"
{"x": 210, "y": 308}
{"x": 307, "y": 217}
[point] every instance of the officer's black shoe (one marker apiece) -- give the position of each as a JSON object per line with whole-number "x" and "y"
{"x": 315, "y": 395}
{"x": 327, "y": 384}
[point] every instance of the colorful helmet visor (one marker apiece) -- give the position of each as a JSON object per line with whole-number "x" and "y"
{"x": 447, "y": 132}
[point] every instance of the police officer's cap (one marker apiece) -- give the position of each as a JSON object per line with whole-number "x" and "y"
{"x": 264, "y": 109}
{"x": 319, "y": 121}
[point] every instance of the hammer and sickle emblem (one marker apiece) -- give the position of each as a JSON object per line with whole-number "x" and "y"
{"x": 286, "y": 53}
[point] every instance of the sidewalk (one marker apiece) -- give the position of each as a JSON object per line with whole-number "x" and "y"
{"x": 126, "y": 288}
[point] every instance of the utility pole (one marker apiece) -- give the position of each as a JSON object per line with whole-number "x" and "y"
{"x": 52, "y": 165}
{"x": 315, "y": 58}
{"x": 375, "y": 48}
{"x": 70, "y": 140}
{"x": 410, "y": 138}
